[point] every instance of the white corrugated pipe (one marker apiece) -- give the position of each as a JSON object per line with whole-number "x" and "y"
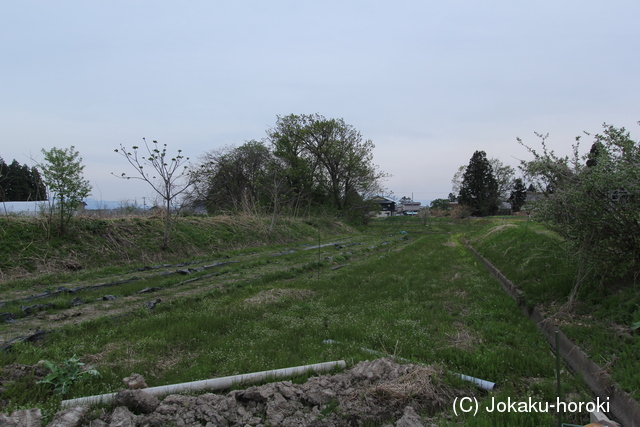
{"x": 213, "y": 384}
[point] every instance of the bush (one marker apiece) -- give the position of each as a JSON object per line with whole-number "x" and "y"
{"x": 593, "y": 201}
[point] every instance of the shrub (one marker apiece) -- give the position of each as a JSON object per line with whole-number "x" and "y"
{"x": 593, "y": 201}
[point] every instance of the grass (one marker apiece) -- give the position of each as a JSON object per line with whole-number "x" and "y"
{"x": 128, "y": 242}
{"x": 418, "y": 295}
{"x": 599, "y": 320}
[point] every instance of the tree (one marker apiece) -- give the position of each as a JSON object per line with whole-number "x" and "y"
{"x": 300, "y": 167}
{"x": 504, "y": 178}
{"x": 238, "y": 178}
{"x": 20, "y": 183}
{"x": 37, "y": 187}
{"x": 62, "y": 173}
{"x": 479, "y": 191}
{"x": 440, "y": 204}
{"x": 168, "y": 176}
{"x": 518, "y": 195}
{"x": 456, "y": 181}
{"x": 4, "y": 179}
{"x": 594, "y": 205}
{"x": 327, "y": 162}
{"x": 501, "y": 172}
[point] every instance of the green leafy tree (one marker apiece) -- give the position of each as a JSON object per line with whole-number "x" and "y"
{"x": 479, "y": 190}
{"x": 62, "y": 172}
{"x": 518, "y": 195}
{"x": 238, "y": 178}
{"x": 167, "y": 175}
{"x": 593, "y": 201}
{"x": 440, "y": 204}
{"x": 327, "y": 163}
{"x": 300, "y": 166}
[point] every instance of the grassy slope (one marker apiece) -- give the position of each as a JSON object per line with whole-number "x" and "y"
{"x": 418, "y": 294}
{"x": 599, "y": 321}
{"x": 107, "y": 246}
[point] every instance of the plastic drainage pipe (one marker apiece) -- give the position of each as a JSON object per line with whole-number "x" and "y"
{"x": 483, "y": 384}
{"x": 212, "y": 384}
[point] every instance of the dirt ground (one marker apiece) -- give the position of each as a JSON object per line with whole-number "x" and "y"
{"x": 379, "y": 392}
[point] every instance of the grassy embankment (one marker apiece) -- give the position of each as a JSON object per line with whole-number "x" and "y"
{"x": 600, "y": 318}
{"x": 419, "y": 295}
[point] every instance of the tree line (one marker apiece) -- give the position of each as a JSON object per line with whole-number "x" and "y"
{"x": 306, "y": 164}
{"x": 483, "y": 185}
{"x": 592, "y": 200}
{"x": 20, "y": 183}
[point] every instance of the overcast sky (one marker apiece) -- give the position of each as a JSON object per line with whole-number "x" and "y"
{"x": 429, "y": 82}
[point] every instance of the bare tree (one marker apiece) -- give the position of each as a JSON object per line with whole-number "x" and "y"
{"x": 166, "y": 175}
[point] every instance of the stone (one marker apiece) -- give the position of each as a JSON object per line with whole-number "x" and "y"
{"x": 135, "y": 382}
{"x": 137, "y": 401}
{"x": 152, "y": 304}
{"x": 76, "y": 302}
{"x": 23, "y": 418}
{"x": 122, "y": 417}
{"x": 8, "y": 317}
{"x": 409, "y": 419}
{"x": 71, "y": 417}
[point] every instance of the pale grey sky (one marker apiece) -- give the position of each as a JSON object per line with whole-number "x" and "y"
{"x": 428, "y": 82}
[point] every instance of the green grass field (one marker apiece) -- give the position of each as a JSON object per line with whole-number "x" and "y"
{"x": 397, "y": 287}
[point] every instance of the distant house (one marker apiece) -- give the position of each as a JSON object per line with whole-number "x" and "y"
{"x": 408, "y": 207}
{"x": 387, "y": 207}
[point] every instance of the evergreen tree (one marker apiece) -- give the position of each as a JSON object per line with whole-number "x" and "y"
{"x": 479, "y": 190}
{"x": 518, "y": 195}
{"x": 4, "y": 170}
{"x": 592, "y": 157}
{"x": 15, "y": 178}
{"x": 20, "y": 183}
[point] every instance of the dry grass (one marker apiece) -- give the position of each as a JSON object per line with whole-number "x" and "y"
{"x": 276, "y": 295}
{"x": 495, "y": 229}
{"x": 422, "y": 385}
{"x": 461, "y": 339}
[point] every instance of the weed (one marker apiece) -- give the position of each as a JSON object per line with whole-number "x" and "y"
{"x": 64, "y": 375}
